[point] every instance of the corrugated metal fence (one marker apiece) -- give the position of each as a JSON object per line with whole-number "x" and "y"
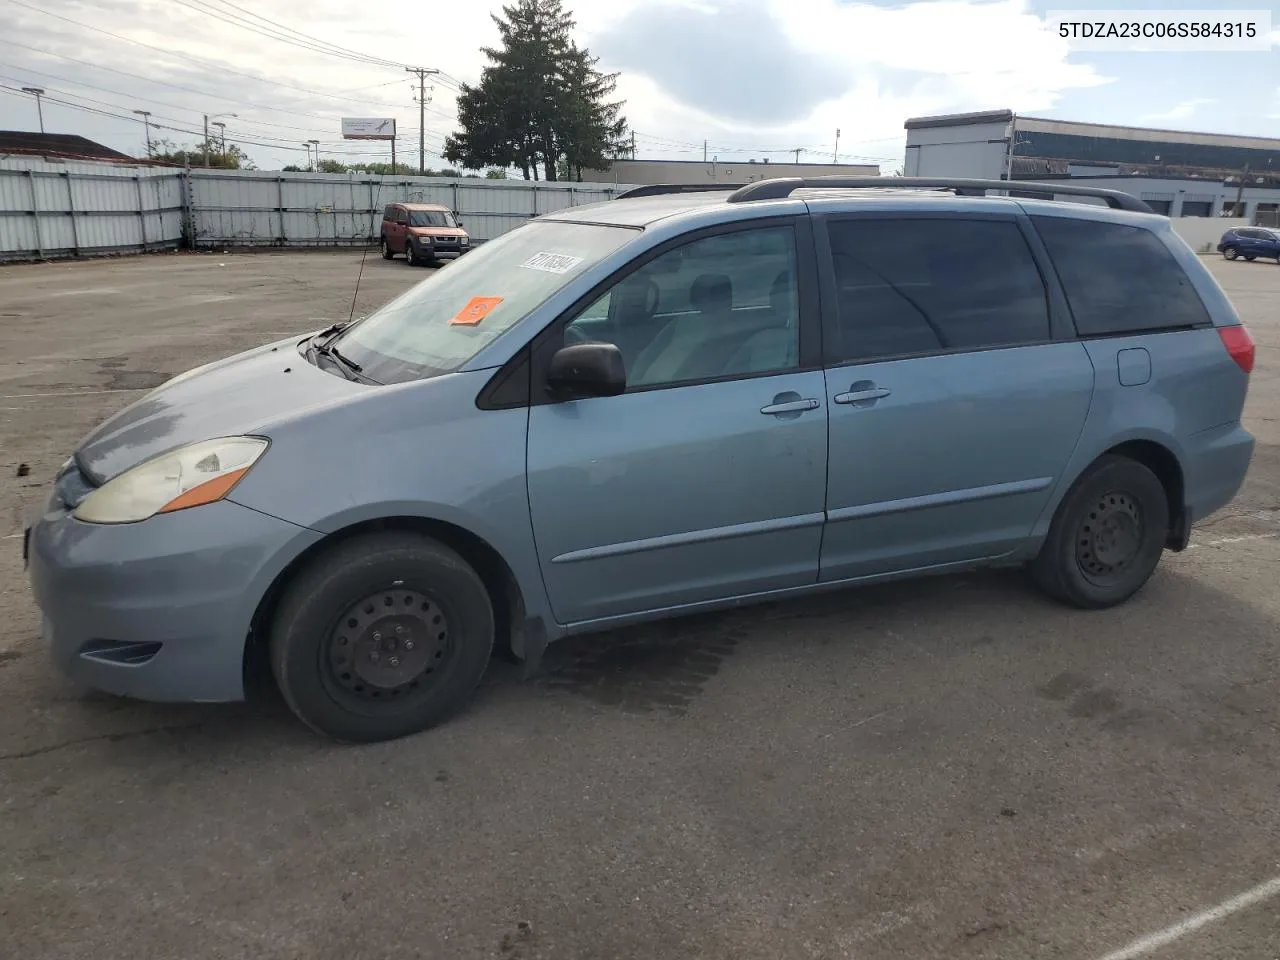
{"x": 54, "y": 209}
{"x": 69, "y": 209}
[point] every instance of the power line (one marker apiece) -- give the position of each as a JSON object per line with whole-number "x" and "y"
{"x": 209, "y": 64}
{"x": 337, "y": 49}
{"x": 272, "y": 33}
{"x": 176, "y": 86}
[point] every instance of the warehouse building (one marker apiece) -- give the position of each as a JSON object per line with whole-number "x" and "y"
{"x": 1178, "y": 173}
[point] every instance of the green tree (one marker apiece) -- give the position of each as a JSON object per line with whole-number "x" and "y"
{"x": 541, "y": 105}
{"x": 330, "y": 166}
{"x": 494, "y": 173}
{"x": 208, "y": 153}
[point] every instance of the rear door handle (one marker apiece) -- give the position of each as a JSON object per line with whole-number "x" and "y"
{"x": 861, "y": 396}
{"x": 791, "y": 406}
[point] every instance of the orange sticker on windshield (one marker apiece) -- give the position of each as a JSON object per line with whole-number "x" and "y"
{"x": 477, "y": 309}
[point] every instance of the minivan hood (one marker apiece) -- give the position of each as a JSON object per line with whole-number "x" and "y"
{"x": 230, "y": 397}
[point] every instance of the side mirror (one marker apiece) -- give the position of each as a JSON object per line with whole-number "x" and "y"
{"x": 587, "y": 370}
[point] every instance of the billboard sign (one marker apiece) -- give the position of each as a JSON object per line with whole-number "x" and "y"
{"x": 366, "y": 128}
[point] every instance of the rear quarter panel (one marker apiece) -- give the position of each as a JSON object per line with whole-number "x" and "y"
{"x": 1193, "y": 398}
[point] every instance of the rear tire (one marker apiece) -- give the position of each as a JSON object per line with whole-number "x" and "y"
{"x": 1250, "y": 257}
{"x": 1107, "y": 536}
{"x": 384, "y": 635}
{"x": 1230, "y": 253}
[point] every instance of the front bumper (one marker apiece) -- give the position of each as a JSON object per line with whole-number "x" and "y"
{"x": 438, "y": 249}
{"x": 160, "y": 609}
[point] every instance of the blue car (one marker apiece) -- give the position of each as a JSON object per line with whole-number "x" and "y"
{"x": 659, "y": 405}
{"x": 1250, "y": 243}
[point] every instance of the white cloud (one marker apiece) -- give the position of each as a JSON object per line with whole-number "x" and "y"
{"x": 1179, "y": 111}
{"x": 899, "y": 61}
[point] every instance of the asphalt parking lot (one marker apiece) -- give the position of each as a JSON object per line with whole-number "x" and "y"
{"x": 950, "y": 768}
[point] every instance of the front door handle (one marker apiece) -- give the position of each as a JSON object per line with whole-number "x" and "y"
{"x": 791, "y": 406}
{"x": 867, "y": 396}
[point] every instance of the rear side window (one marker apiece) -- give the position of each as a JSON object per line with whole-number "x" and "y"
{"x": 389, "y": 213}
{"x": 1119, "y": 279}
{"x": 927, "y": 286}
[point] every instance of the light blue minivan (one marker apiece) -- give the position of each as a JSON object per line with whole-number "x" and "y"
{"x": 667, "y": 403}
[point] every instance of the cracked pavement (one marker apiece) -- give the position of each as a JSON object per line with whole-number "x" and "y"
{"x": 948, "y": 768}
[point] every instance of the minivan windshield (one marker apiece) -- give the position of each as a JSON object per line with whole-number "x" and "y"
{"x": 444, "y": 321}
{"x": 431, "y": 218}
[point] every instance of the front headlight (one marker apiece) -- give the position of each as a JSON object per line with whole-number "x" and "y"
{"x": 187, "y": 477}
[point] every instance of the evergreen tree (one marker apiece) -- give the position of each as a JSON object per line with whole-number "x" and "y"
{"x": 541, "y": 105}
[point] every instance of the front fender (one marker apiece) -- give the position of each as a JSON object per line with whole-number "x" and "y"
{"x": 421, "y": 450}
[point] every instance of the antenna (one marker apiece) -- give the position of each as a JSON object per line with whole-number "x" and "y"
{"x": 377, "y": 198}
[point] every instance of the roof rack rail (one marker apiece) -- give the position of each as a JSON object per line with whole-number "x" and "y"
{"x": 658, "y": 189}
{"x": 784, "y": 187}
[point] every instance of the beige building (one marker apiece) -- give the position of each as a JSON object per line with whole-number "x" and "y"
{"x": 637, "y": 172}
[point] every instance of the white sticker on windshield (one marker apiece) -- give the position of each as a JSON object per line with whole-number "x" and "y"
{"x": 552, "y": 262}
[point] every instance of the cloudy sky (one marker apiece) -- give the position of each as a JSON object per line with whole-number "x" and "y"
{"x": 750, "y": 78}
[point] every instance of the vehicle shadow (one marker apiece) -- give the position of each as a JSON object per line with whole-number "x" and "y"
{"x": 662, "y": 668}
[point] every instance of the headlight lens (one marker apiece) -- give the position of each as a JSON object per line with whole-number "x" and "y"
{"x": 187, "y": 477}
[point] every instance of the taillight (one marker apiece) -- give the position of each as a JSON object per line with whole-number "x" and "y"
{"x": 1239, "y": 344}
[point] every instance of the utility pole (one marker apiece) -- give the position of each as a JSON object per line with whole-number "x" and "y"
{"x": 1013, "y": 145}
{"x": 307, "y": 144}
{"x": 146, "y": 127}
{"x": 704, "y": 151}
{"x": 835, "y": 156}
{"x": 222, "y": 137}
{"x": 422, "y": 73}
{"x": 37, "y": 92}
{"x": 1239, "y": 207}
{"x": 633, "y": 144}
{"x": 797, "y": 151}
{"x": 316, "y": 162}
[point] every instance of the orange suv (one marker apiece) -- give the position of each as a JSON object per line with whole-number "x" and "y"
{"x": 423, "y": 232}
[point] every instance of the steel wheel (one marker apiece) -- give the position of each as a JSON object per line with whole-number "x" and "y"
{"x": 1107, "y": 535}
{"x": 389, "y": 645}
{"x": 1230, "y": 253}
{"x": 381, "y": 635}
{"x": 1110, "y": 538}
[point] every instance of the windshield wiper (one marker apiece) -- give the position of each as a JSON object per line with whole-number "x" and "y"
{"x": 333, "y": 353}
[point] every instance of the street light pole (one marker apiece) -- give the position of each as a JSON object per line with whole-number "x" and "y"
{"x": 37, "y": 92}
{"x": 206, "y": 132}
{"x": 146, "y": 126}
{"x": 307, "y": 144}
{"x": 316, "y": 144}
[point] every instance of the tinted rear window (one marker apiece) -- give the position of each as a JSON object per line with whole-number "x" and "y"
{"x": 925, "y": 286}
{"x": 1119, "y": 279}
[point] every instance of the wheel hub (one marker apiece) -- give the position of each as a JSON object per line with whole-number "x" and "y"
{"x": 1110, "y": 536}
{"x": 388, "y": 644}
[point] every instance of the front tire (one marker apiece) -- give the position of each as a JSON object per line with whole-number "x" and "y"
{"x": 1107, "y": 536}
{"x": 384, "y": 635}
{"x": 386, "y": 250}
{"x": 409, "y": 256}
